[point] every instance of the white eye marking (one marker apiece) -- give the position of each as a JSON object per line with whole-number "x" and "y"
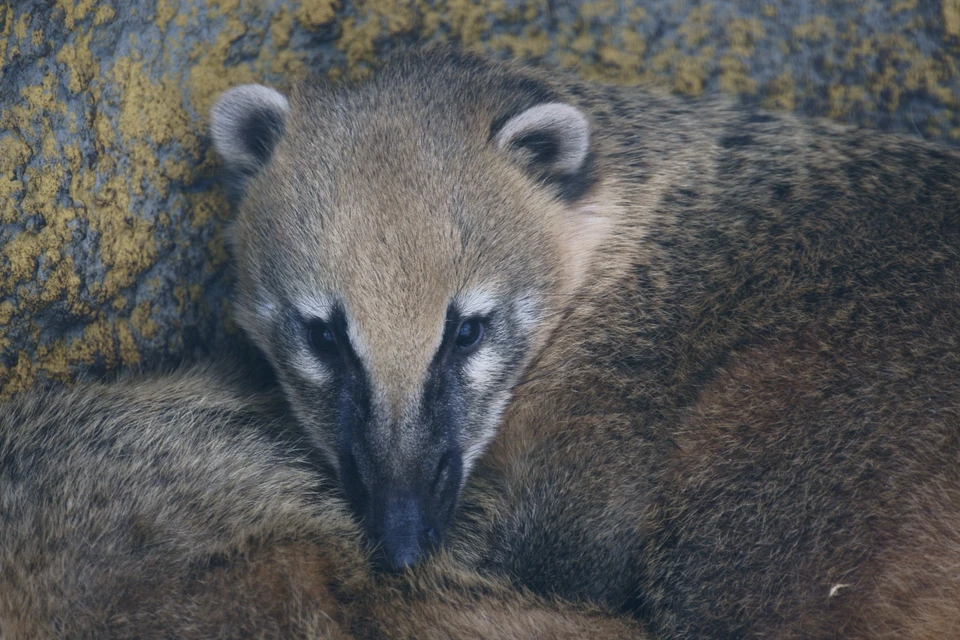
{"x": 489, "y": 429}
{"x": 482, "y": 366}
{"x": 527, "y": 311}
{"x": 315, "y": 306}
{"x": 476, "y": 302}
{"x": 357, "y": 343}
{"x": 309, "y": 366}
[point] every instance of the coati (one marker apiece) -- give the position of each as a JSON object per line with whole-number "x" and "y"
{"x": 684, "y": 360}
{"x": 698, "y": 362}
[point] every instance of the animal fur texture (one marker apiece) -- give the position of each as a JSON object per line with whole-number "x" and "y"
{"x": 175, "y": 507}
{"x": 721, "y": 370}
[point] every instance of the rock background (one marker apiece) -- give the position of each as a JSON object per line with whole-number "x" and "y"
{"x": 111, "y": 246}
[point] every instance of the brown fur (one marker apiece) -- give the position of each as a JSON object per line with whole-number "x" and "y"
{"x": 765, "y": 376}
{"x": 753, "y": 397}
{"x": 172, "y": 507}
{"x": 738, "y": 415}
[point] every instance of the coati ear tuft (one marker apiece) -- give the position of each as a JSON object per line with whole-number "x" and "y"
{"x": 246, "y": 122}
{"x": 552, "y": 142}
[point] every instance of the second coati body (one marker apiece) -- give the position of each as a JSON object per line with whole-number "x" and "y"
{"x": 690, "y": 362}
{"x": 180, "y": 506}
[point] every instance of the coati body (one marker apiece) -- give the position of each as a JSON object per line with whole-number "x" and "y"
{"x": 720, "y": 346}
{"x": 177, "y": 507}
{"x": 691, "y": 362}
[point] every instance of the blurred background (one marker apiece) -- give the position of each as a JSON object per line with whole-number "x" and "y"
{"x": 112, "y": 253}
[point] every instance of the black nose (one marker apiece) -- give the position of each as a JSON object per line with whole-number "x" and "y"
{"x": 406, "y": 514}
{"x": 403, "y": 537}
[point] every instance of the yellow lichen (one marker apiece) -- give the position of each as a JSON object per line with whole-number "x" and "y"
{"x": 105, "y": 13}
{"x": 14, "y": 153}
{"x": 21, "y": 376}
{"x": 186, "y": 297}
{"x": 903, "y": 5}
{"x": 469, "y": 21}
{"x": 148, "y": 109}
{"x": 207, "y": 206}
{"x": 818, "y": 29}
{"x": 41, "y": 100}
{"x": 950, "y": 11}
{"x": 165, "y": 12}
{"x": 6, "y": 25}
{"x": 25, "y": 249}
{"x": 9, "y": 187}
{"x": 216, "y": 251}
{"x": 314, "y": 14}
{"x": 281, "y": 27}
{"x": 52, "y": 360}
{"x": 690, "y": 76}
{"x": 742, "y": 35}
{"x": 22, "y": 25}
{"x": 209, "y": 75}
{"x": 636, "y": 14}
{"x": 598, "y": 8}
{"x": 735, "y": 76}
{"x": 77, "y": 58}
{"x": 695, "y": 28}
{"x": 141, "y": 321}
{"x": 98, "y": 342}
{"x": 73, "y": 12}
{"x": 779, "y": 93}
{"x": 530, "y": 45}
{"x": 127, "y": 246}
{"x": 126, "y": 345}
{"x": 843, "y": 100}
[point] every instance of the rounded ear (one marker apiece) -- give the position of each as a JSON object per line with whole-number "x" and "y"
{"x": 552, "y": 142}
{"x": 246, "y": 122}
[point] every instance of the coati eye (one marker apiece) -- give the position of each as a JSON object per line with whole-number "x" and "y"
{"x": 322, "y": 339}
{"x": 469, "y": 334}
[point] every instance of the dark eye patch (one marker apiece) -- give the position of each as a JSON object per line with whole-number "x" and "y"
{"x": 328, "y": 340}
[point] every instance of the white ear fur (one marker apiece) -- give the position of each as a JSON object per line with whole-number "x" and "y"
{"x": 243, "y": 121}
{"x": 566, "y": 125}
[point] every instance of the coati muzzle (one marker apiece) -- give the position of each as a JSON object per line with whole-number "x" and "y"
{"x": 405, "y": 516}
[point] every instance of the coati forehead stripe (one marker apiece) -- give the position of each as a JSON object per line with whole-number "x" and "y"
{"x": 474, "y": 302}
{"x": 357, "y": 342}
{"x": 315, "y": 306}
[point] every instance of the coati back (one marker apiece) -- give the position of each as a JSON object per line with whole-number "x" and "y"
{"x": 711, "y": 355}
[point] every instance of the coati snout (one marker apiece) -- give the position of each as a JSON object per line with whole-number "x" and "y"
{"x": 402, "y": 266}
{"x": 405, "y": 519}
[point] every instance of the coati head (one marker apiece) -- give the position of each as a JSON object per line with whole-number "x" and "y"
{"x": 404, "y": 247}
